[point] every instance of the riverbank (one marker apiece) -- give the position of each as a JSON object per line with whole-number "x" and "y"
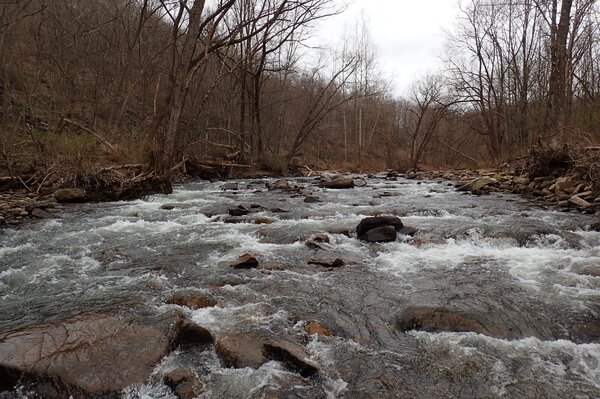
{"x": 569, "y": 191}
{"x": 568, "y": 188}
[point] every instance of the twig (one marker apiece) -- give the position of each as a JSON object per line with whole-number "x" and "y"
{"x": 24, "y": 184}
{"x": 43, "y": 181}
{"x": 310, "y": 171}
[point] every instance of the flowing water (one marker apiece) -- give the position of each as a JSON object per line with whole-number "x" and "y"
{"x": 516, "y": 268}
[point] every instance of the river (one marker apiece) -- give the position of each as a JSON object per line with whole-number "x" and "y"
{"x": 520, "y": 272}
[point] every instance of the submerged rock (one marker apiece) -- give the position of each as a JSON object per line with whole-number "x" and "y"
{"x": 230, "y": 187}
{"x": 318, "y": 241}
{"x": 313, "y": 327}
{"x": 271, "y": 266}
{"x": 333, "y": 263}
{"x": 311, "y": 200}
{"x": 246, "y": 261}
{"x": 443, "y": 320}
{"x": 408, "y": 231}
{"x": 175, "y": 205}
{"x": 593, "y": 271}
{"x": 240, "y": 210}
{"x": 192, "y": 301}
{"x": 183, "y": 383}
{"x": 263, "y": 220}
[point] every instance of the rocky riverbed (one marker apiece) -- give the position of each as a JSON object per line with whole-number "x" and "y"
{"x": 354, "y": 287}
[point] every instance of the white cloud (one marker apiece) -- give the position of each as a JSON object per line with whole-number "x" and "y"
{"x": 409, "y": 35}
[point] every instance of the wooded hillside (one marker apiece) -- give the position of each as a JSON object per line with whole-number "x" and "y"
{"x": 156, "y": 82}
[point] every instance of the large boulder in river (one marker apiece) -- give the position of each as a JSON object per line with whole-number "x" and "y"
{"x": 239, "y": 350}
{"x": 379, "y": 228}
{"x": 70, "y": 195}
{"x": 339, "y": 183}
{"x": 87, "y": 356}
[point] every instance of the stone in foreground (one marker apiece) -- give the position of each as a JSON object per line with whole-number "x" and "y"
{"x": 86, "y": 356}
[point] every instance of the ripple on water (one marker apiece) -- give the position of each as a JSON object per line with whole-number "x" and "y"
{"x": 507, "y": 363}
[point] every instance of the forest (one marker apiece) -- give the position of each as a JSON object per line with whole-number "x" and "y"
{"x": 234, "y": 84}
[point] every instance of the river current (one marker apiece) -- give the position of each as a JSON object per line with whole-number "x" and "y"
{"x": 519, "y": 269}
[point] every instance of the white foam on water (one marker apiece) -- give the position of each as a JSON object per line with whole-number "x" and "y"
{"x": 548, "y": 261}
{"x": 320, "y": 352}
{"x": 228, "y": 318}
{"x": 432, "y": 214}
{"x": 549, "y": 360}
{"x": 141, "y": 227}
{"x": 13, "y": 250}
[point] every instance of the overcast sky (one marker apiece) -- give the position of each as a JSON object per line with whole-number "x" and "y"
{"x": 409, "y": 35}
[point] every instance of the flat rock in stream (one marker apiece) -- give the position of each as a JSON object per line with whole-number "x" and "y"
{"x": 239, "y": 350}
{"x": 339, "y": 183}
{"x": 87, "y": 356}
{"x": 435, "y": 320}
